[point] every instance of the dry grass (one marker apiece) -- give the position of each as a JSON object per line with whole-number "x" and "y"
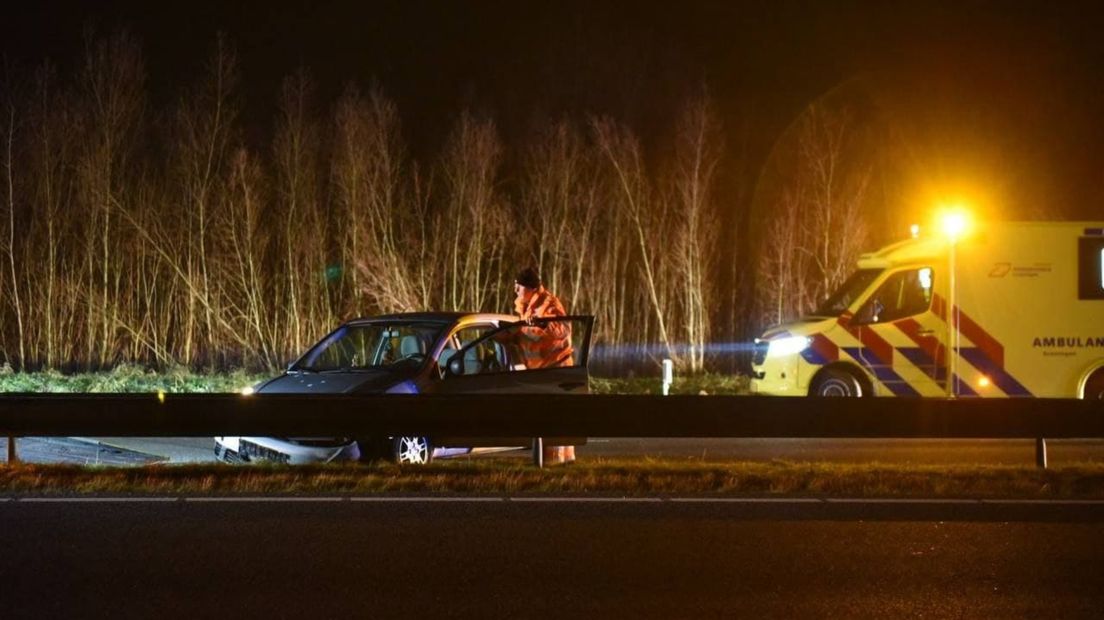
{"x": 619, "y": 477}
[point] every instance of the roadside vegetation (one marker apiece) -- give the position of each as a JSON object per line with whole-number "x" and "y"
{"x": 709, "y": 384}
{"x": 598, "y": 477}
{"x": 149, "y": 230}
{"x": 127, "y": 378}
{"x": 130, "y": 378}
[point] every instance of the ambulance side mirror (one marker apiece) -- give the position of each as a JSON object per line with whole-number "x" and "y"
{"x": 868, "y": 313}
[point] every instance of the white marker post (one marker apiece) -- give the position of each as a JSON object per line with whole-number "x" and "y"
{"x": 668, "y": 375}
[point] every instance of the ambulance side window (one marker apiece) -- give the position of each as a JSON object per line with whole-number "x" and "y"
{"x": 903, "y": 294}
{"x": 1090, "y": 266}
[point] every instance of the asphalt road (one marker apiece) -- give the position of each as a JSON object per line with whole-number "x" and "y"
{"x": 393, "y": 557}
{"x": 124, "y": 450}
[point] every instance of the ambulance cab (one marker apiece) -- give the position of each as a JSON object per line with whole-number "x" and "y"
{"x": 999, "y": 310}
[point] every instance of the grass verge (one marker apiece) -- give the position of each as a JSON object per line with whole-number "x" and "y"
{"x": 130, "y": 378}
{"x": 620, "y": 477}
{"x": 126, "y": 378}
{"x": 707, "y": 383}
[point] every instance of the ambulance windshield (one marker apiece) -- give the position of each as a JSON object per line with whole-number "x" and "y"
{"x": 848, "y": 293}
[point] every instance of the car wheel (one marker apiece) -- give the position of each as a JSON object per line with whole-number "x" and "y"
{"x": 836, "y": 382}
{"x": 1094, "y": 387}
{"x": 411, "y": 450}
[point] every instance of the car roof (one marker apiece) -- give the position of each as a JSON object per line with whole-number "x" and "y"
{"x": 437, "y": 317}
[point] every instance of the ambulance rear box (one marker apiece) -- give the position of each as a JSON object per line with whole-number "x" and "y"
{"x": 1006, "y": 310}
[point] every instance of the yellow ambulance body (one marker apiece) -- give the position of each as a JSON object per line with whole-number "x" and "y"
{"x": 1027, "y": 298}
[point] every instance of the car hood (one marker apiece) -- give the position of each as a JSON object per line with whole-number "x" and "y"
{"x": 336, "y": 382}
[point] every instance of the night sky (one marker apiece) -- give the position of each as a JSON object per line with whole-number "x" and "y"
{"x": 1003, "y": 96}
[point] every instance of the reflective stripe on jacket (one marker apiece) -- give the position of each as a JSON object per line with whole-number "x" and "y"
{"x": 545, "y": 347}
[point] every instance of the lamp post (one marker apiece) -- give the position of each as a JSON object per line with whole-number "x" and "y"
{"x": 952, "y": 379}
{"x": 954, "y": 224}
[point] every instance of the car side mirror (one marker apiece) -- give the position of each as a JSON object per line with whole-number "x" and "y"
{"x": 456, "y": 366}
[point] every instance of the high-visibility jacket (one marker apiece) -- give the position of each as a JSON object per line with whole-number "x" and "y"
{"x": 545, "y": 347}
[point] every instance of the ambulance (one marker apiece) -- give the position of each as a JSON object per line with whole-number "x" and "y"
{"x": 1013, "y": 309}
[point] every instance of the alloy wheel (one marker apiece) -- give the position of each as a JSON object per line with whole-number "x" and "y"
{"x": 412, "y": 450}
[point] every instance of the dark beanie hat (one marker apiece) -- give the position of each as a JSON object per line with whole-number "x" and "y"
{"x": 529, "y": 278}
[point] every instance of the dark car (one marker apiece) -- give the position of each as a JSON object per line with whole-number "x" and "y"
{"x": 416, "y": 353}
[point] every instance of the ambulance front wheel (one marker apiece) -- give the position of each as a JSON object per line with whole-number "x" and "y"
{"x": 1094, "y": 387}
{"x": 836, "y": 382}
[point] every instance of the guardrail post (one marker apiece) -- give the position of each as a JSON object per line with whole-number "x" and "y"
{"x": 1040, "y": 452}
{"x": 13, "y": 456}
{"x": 538, "y": 452}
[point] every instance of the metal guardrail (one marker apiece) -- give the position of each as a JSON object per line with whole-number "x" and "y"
{"x": 529, "y": 415}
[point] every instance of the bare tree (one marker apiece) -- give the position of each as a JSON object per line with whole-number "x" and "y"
{"x": 817, "y": 224}
{"x": 377, "y": 229}
{"x": 204, "y": 128}
{"x": 560, "y": 208}
{"x": 248, "y": 282}
{"x": 297, "y": 152}
{"x": 646, "y": 217}
{"x": 780, "y": 262}
{"x": 697, "y": 153}
{"x": 50, "y": 147}
{"x": 9, "y": 156}
{"x": 475, "y": 214}
{"x": 196, "y": 250}
{"x": 112, "y": 104}
{"x": 834, "y": 225}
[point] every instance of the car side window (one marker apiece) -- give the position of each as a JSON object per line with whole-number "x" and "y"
{"x": 903, "y": 294}
{"x": 485, "y": 356}
{"x": 460, "y": 339}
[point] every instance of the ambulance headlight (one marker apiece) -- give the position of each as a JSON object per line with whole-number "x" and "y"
{"x": 789, "y": 345}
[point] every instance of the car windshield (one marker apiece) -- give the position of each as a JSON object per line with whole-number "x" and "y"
{"x": 372, "y": 345}
{"x": 848, "y": 293}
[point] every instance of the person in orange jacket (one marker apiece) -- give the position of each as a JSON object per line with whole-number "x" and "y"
{"x": 544, "y": 346}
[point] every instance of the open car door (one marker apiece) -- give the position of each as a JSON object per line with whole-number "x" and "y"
{"x": 508, "y": 361}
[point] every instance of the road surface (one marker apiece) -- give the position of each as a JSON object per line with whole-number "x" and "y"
{"x": 583, "y": 558}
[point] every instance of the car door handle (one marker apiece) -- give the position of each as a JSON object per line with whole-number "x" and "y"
{"x": 571, "y": 385}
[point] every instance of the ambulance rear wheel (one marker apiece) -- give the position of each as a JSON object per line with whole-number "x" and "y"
{"x": 1094, "y": 387}
{"x": 836, "y": 382}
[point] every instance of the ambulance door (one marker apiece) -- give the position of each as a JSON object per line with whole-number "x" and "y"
{"x": 901, "y": 337}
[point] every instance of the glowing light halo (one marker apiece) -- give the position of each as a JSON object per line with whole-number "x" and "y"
{"x": 954, "y": 222}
